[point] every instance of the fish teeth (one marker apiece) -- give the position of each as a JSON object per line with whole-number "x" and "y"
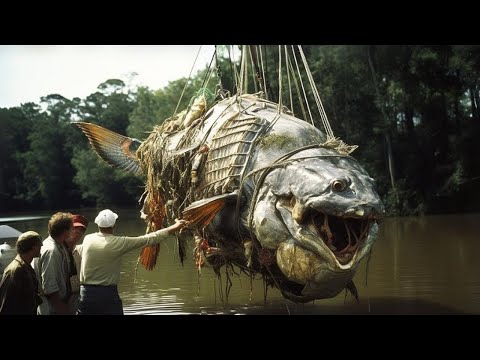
{"x": 311, "y": 226}
{"x": 297, "y": 212}
{"x": 359, "y": 212}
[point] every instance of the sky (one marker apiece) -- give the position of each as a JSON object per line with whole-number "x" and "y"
{"x": 28, "y": 72}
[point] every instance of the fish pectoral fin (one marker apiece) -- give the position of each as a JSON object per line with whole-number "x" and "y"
{"x": 115, "y": 149}
{"x": 200, "y": 213}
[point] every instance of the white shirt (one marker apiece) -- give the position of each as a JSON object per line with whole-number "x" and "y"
{"x": 102, "y": 254}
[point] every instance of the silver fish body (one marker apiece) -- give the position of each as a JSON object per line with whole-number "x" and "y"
{"x": 295, "y": 206}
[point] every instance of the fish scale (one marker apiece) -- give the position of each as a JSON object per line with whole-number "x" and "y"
{"x": 257, "y": 185}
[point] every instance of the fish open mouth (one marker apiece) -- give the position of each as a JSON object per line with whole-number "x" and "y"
{"x": 310, "y": 269}
{"x": 343, "y": 236}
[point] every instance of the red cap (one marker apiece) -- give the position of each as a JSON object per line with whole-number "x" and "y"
{"x": 79, "y": 220}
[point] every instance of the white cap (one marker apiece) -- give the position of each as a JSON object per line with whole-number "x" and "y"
{"x": 106, "y": 218}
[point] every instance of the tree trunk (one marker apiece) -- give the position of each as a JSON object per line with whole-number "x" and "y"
{"x": 443, "y": 129}
{"x": 390, "y": 160}
{"x": 2, "y": 184}
{"x": 381, "y": 105}
{"x": 474, "y": 102}
{"x": 457, "y": 114}
{"x": 409, "y": 122}
{"x": 477, "y": 101}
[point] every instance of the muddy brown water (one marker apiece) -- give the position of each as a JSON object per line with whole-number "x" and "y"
{"x": 419, "y": 265}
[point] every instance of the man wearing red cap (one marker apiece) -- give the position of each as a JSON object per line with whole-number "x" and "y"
{"x": 80, "y": 224}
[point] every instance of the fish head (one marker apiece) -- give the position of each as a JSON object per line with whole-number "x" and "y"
{"x": 318, "y": 211}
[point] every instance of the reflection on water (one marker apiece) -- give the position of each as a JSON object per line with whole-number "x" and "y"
{"x": 419, "y": 265}
{"x": 21, "y": 218}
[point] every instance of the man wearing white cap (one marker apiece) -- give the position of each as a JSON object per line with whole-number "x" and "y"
{"x": 101, "y": 259}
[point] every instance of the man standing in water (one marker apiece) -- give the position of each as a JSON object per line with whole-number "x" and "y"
{"x": 101, "y": 259}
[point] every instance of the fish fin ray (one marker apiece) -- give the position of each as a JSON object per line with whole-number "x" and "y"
{"x": 115, "y": 149}
{"x": 200, "y": 213}
{"x": 148, "y": 256}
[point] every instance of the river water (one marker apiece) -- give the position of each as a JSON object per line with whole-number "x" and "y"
{"x": 419, "y": 265}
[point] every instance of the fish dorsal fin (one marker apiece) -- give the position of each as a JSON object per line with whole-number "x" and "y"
{"x": 117, "y": 150}
{"x": 200, "y": 213}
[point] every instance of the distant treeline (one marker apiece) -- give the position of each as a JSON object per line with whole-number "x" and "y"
{"x": 413, "y": 110}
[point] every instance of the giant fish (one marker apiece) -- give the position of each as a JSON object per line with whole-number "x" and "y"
{"x": 261, "y": 190}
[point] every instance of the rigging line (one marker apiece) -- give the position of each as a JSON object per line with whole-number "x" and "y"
{"x": 321, "y": 109}
{"x": 263, "y": 73}
{"x": 316, "y": 96}
{"x": 303, "y": 88}
{"x": 247, "y": 66}
{"x": 232, "y": 70}
{"x": 267, "y": 72}
{"x": 319, "y": 100}
{"x": 207, "y": 80}
{"x": 275, "y": 66}
{"x": 233, "y": 64}
{"x": 218, "y": 69}
{"x": 245, "y": 82}
{"x": 287, "y": 59}
{"x": 297, "y": 89}
{"x": 188, "y": 80}
{"x": 312, "y": 86}
{"x": 279, "y": 78}
{"x": 242, "y": 70}
{"x": 209, "y": 72}
{"x": 254, "y": 70}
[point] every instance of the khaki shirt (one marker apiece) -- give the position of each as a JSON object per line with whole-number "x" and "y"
{"x": 102, "y": 254}
{"x": 19, "y": 289}
{"x": 53, "y": 272}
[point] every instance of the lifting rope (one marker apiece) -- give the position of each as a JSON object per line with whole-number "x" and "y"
{"x": 252, "y": 59}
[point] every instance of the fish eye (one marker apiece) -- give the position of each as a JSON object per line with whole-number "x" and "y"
{"x": 339, "y": 185}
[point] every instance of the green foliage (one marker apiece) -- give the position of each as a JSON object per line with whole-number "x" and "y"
{"x": 154, "y": 107}
{"x": 413, "y": 110}
{"x": 102, "y": 185}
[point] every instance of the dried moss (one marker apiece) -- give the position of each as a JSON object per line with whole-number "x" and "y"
{"x": 277, "y": 141}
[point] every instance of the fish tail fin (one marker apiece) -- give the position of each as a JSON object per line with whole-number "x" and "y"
{"x": 115, "y": 149}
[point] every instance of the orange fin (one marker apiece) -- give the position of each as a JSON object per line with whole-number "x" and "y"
{"x": 200, "y": 213}
{"x": 117, "y": 150}
{"x": 154, "y": 206}
{"x": 148, "y": 256}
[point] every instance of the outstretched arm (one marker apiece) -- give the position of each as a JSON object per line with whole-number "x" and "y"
{"x": 179, "y": 224}
{"x": 152, "y": 238}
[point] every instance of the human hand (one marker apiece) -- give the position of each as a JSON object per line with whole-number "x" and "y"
{"x": 179, "y": 224}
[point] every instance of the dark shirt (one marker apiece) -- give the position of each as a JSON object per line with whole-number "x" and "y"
{"x": 19, "y": 289}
